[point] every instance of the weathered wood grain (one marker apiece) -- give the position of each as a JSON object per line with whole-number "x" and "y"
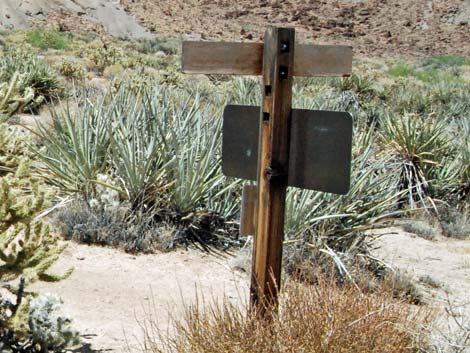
{"x": 247, "y": 59}
{"x": 273, "y": 167}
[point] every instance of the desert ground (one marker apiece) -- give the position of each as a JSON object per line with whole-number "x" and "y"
{"x": 110, "y": 291}
{"x": 114, "y": 296}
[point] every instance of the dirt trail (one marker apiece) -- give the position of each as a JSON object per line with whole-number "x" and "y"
{"x": 443, "y": 263}
{"x": 110, "y": 292}
{"x": 445, "y": 260}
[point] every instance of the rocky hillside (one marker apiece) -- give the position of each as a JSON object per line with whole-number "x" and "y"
{"x": 420, "y": 27}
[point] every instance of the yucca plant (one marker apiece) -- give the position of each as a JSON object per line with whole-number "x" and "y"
{"x": 136, "y": 145}
{"x": 244, "y": 91}
{"x": 195, "y": 140}
{"x": 337, "y": 221}
{"x": 463, "y": 158}
{"x": 76, "y": 146}
{"x": 419, "y": 146}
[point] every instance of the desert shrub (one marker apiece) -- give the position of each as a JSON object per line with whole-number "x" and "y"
{"x": 35, "y": 74}
{"x": 455, "y": 223}
{"x": 445, "y": 61}
{"x": 421, "y": 228}
{"x": 71, "y": 70}
{"x": 401, "y": 70}
{"x": 324, "y": 317}
{"x": 45, "y": 39}
{"x": 112, "y": 226}
{"x": 104, "y": 53}
{"x": 154, "y": 45}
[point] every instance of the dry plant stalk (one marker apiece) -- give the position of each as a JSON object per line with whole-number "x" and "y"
{"x": 325, "y": 317}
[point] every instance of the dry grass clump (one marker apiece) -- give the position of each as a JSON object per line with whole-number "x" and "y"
{"x": 325, "y": 317}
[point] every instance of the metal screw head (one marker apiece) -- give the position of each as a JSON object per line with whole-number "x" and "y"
{"x": 284, "y": 47}
{"x": 283, "y": 72}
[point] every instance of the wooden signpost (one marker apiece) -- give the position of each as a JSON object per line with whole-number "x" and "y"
{"x": 274, "y": 144}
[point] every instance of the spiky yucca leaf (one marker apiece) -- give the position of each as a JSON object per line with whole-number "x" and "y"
{"x": 419, "y": 145}
{"x": 76, "y": 146}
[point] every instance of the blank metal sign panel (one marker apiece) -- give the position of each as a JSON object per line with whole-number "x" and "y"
{"x": 320, "y": 152}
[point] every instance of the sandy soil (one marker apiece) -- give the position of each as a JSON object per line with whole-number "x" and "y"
{"x": 110, "y": 293}
{"x": 445, "y": 260}
{"x": 441, "y": 269}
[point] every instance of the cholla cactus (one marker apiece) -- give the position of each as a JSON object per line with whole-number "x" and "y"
{"x": 14, "y": 151}
{"x": 12, "y": 102}
{"x": 48, "y": 327}
{"x": 25, "y": 244}
{"x": 26, "y": 247}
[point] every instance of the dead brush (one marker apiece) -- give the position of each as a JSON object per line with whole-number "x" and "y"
{"x": 325, "y": 317}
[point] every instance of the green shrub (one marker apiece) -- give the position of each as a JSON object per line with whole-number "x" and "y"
{"x": 401, "y": 70}
{"x": 154, "y": 45}
{"x": 45, "y": 39}
{"x": 12, "y": 102}
{"x": 445, "y": 61}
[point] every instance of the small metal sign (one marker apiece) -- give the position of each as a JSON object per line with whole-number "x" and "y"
{"x": 320, "y": 147}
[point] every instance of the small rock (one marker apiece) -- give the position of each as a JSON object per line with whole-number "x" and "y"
{"x": 193, "y": 36}
{"x": 160, "y": 54}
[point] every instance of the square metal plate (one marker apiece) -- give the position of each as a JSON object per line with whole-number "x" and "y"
{"x": 320, "y": 149}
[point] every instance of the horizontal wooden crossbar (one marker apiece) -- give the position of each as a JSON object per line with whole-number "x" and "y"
{"x": 247, "y": 59}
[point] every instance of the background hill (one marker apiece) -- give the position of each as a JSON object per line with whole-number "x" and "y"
{"x": 376, "y": 27}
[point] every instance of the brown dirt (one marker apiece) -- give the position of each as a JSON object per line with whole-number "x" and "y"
{"x": 376, "y": 27}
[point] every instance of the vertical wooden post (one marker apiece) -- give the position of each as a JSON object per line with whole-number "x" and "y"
{"x": 273, "y": 165}
{"x": 247, "y": 214}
